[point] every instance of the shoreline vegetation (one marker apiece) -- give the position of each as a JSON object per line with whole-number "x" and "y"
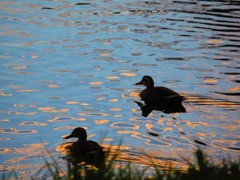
{"x": 200, "y": 168}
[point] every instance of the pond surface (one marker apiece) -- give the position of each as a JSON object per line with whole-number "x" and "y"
{"x": 66, "y": 64}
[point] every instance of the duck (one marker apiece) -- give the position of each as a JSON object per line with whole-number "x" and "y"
{"x": 155, "y": 94}
{"x": 84, "y": 150}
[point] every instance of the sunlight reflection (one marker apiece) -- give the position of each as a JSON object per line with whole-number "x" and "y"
{"x": 33, "y": 123}
{"x": 65, "y": 118}
{"x": 102, "y": 121}
{"x": 72, "y": 102}
{"x": 124, "y": 125}
{"x": 128, "y": 74}
{"x": 112, "y": 77}
{"x": 113, "y": 100}
{"x": 115, "y": 109}
{"x": 52, "y": 109}
{"x": 27, "y": 90}
{"x": 4, "y": 94}
{"x": 16, "y": 131}
{"x": 96, "y": 83}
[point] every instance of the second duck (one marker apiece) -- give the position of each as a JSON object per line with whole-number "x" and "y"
{"x": 155, "y": 94}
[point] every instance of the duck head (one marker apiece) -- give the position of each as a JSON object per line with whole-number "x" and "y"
{"x": 79, "y": 133}
{"x": 146, "y": 81}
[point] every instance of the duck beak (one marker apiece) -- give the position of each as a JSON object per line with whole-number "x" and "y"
{"x": 69, "y": 136}
{"x": 139, "y": 83}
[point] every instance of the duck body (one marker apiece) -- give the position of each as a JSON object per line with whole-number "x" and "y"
{"x": 84, "y": 150}
{"x": 153, "y": 95}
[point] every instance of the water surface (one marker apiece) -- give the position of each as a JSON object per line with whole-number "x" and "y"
{"x": 66, "y": 64}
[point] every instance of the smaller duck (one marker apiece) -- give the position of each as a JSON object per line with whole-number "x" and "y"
{"x": 153, "y": 95}
{"x": 84, "y": 150}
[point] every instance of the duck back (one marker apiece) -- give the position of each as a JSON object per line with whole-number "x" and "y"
{"x": 160, "y": 94}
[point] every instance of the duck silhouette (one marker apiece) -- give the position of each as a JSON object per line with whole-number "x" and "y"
{"x": 159, "y": 98}
{"x": 84, "y": 150}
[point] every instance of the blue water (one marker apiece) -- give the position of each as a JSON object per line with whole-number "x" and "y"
{"x": 66, "y": 64}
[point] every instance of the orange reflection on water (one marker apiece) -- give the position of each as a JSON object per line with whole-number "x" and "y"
{"x": 27, "y": 90}
{"x": 112, "y": 77}
{"x": 210, "y": 80}
{"x": 128, "y": 74}
{"x": 124, "y": 125}
{"x": 113, "y": 100}
{"x": 234, "y": 89}
{"x": 117, "y": 115}
{"x": 52, "y": 86}
{"x": 16, "y": 131}
{"x": 115, "y": 109}
{"x": 26, "y": 114}
{"x": 65, "y": 118}
{"x": 101, "y": 121}
{"x": 52, "y": 109}
{"x": 4, "y": 94}
{"x": 72, "y": 102}
{"x": 105, "y": 55}
{"x": 33, "y": 123}
{"x": 96, "y": 83}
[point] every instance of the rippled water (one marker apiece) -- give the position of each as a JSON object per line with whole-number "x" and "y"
{"x": 66, "y": 64}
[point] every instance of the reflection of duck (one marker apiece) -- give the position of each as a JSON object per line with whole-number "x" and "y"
{"x": 156, "y": 94}
{"x": 164, "y": 107}
{"x": 84, "y": 150}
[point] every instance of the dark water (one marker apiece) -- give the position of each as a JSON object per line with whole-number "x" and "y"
{"x": 66, "y": 64}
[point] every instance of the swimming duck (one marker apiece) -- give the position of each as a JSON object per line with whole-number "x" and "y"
{"x": 83, "y": 149}
{"x": 153, "y": 95}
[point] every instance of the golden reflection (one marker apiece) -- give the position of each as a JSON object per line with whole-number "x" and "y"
{"x": 195, "y": 124}
{"x": 24, "y": 105}
{"x": 4, "y": 94}
{"x": 132, "y": 94}
{"x": 26, "y": 114}
{"x": 65, "y": 127}
{"x": 117, "y": 115}
{"x": 112, "y": 77}
{"x": 210, "y": 80}
{"x": 126, "y": 132}
{"x": 105, "y": 55}
{"x": 215, "y": 41}
{"x": 168, "y": 129}
{"x": 210, "y": 101}
{"x": 134, "y": 110}
{"x": 128, "y": 74}
{"x": 234, "y": 89}
{"x": 124, "y": 125}
{"x": 26, "y": 131}
{"x": 27, "y": 90}
{"x": 102, "y": 121}
{"x": 52, "y": 86}
{"x": 34, "y": 56}
{"x": 5, "y": 139}
{"x": 65, "y": 118}
{"x": 115, "y": 109}
{"x": 161, "y": 121}
{"x": 32, "y": 123}
{"x": 52, "y": 109}
{"x": 100, "y": 99}
{"x": 72, "y": 102}
{"x": 149, "y": 126}
{"x": 113, "y": 100}
{"x": 16, "y": 131}
{"x": 107, "y": 139}
{"x": 96, "y": 83}
{"x": 84, "y": 104}
{"x": 95, "y": 113}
